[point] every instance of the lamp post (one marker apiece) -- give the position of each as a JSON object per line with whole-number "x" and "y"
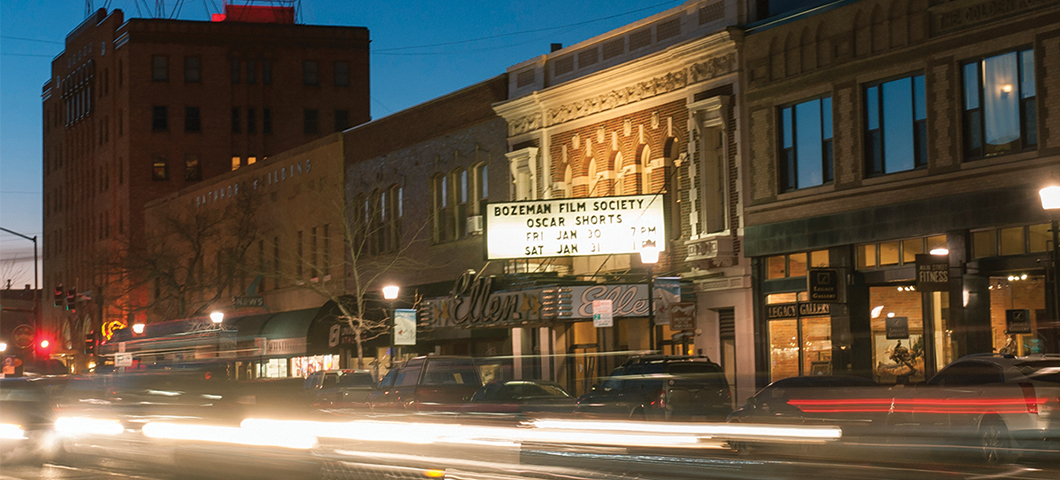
{"x": 36, "y": 288}
{"x": 649, "y": 255}
{"x": 390, "y": 293}
{"x": 1051, "y": 204}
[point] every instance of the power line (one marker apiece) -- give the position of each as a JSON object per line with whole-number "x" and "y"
{"x": 26, "y": 55}
{"x": 31, "y": 40}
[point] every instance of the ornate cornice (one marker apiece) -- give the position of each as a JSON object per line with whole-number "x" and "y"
{"x": 641, "y": 90}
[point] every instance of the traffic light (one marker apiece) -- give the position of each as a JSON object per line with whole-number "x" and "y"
{"x": 90, "y": 343}
{"x": 44, "y": 345}
{"x": 71, "y": 297}
{"x": 58, "y": 296}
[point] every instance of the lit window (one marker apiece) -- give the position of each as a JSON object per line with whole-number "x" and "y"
{"x": 235, "y": 162}
{"x": 1000, "y": 108}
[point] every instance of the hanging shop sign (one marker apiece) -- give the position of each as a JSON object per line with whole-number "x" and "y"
{"x": 822, "y": 285}
{"x": 897, "y": 328}
{"x": 574, "y": 227}
{"x": 932, "y": 273}
{"x": 404, "y": 326}
{"x": 780, "y": 311}
{"x": 1018, "y": 321}
{"x": 683, "y": 316}
{"x": 666, "y": 291}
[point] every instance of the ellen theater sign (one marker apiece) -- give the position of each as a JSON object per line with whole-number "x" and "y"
{"x": 574, "y": 226}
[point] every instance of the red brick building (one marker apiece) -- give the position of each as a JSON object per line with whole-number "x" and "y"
{"x": 136, "y": 109}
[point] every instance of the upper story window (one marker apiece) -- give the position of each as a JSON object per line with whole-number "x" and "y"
{"x": 806, "y": 144}
{"x": 159, "y": 68}
{"x": 1000, "y": 110}
{"x": 342, "y": 74}
{"x": 192, "y": 168}
{"x": 482, "y": 187}
{"x": 159, "y": 118}
{"x": 310, "y": 73}
{"x": 441, "y": 226}
{"x": 235, "y": 70}
{"x": 266, "y": 72}
{"x": 311, "y": 121}
{"x": 896, "y": 126}
{"x": 897, "y": 252}
{"x": 192, "y": 70}
{"x": 795, "y": 264}
{"x": 159, "y": 168}
{"x": 252, "y": 71}
{"x": 192, "y": 119}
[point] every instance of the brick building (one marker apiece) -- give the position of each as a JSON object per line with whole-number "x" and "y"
{"x": 419, "y": 196}
{"x": 887, "y": 136}
{"x": 136, "y": 109}
{"x": 649, "y": 109}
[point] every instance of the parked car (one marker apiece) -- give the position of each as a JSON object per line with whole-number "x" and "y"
{"x": 661, "y": 387}
{"x": 429, "y": 383}
{"x": 521, "y": 396}
{"x": 340, "y": 388}
{"x": 1002, "y": 405}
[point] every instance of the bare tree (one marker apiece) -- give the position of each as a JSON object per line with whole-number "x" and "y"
{"x": 10, "y": 270}
{"x": 375, "y": 246}
{"x": 189, "y": 259}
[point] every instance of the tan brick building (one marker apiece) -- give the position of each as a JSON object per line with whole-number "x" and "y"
{"x": 882, "y": 130}
{"x": 136, "y": 109}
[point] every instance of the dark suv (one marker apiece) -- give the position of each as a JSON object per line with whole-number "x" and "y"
{"x": 431, "y": 383}
{"x": 660, "y": 387}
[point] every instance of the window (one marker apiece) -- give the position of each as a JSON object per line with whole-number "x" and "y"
{"x": 276, "y": 262}
{"x": 1015, "y": 240}
{"x": 121, "y": 122}
{"x": 159, "y": 119}
{"x": 298, "y": 251}
{"x": 266, "y": 72}
{"x": 342, "y": 74}
{"x": 441, "y": 231}
{"x": 235, "y": 119}
{"x": 310, "y": 74}
{"x": 896, "y": 127}
{"x": 192, "y": 169}
{"x": 460, "y": 208}
{"x": 252, "y": 160}
{"x": 159, "y": 171}
{"x": 898, "y": 252}
{"x": 313, "y": 252}
{"x": 192, "y": 119}
{"x": 235, "y": 70}
{"x": 236, "y": 162}
{"x": 327, "y": 252}
{"x": 252, "y": 121}
{"x": 310, "y": 122}
{"x": 795, "y": 264}
{"x": 192, "y": 69}
{"x": 342, "y": 120}
{"x": 806, "y": 144}
{"x": 159, "y": 68}
{"x": 266, "y": 120}
{"x": 252, "y": 71}
{"x": 1000, "y": 111}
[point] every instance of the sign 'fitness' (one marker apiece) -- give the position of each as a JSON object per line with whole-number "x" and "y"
{"x": 574, "y": 226}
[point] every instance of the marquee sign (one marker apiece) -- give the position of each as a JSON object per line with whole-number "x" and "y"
{"x": 574, "y": 226}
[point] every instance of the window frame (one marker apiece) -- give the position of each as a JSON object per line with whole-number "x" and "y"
{"x": 1028, "y": 134}
{"x": 192, "y": 119}
{"x": 876, "y": 149}
{"x": 311, "y": 73}
{"x": 159, "y": 118}
{"x": 788, "y": 167}
{"x": 159, "y": 68}
{"x": 197, "y": 70}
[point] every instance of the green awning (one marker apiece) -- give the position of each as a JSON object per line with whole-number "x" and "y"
{"x": 293, "y": 324}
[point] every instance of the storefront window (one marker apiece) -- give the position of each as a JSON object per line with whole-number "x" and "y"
{"x": 303, "y": 366}
{"x": 816, "y": 345}
{"x": 1012, "y": 241}
{"x": 910, "y": 249}
{"x": 783, "y": 349}
{"x": 984, "y": 243}
{"x": 1023, "y": 296}
{"x": 936, "y": 242}
{"x": 945, "y": 344}
{"x": 867, "y": 256}
{"x": 888, "y": 254}
{"x": 1039, "y": 238}
{"x": 273, "y": 368}
{"x": 819, "y": 258}
{"x": 777, "y": 267}
{"x": 797, "y": 265}
{"x": 899, "y": 359}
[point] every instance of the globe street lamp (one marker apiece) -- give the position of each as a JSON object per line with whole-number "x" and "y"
{"x": 1051, "y": 203}
{"x": 217, "y": 317}
{"x": 390, "y": 293}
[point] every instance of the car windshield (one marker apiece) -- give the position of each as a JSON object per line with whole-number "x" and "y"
{"x": 450, "y": 372}
{"x": 524, "y": 390}
{"x": 359, "y": 379}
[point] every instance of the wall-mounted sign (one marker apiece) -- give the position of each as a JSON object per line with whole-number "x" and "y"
{"x": 897, "y": 328}
{"x": 574, "y": 227}
{"x": 404, "y": 326}
{"x": 932, "y": 273}
{"x": 683, "y": 316}
{"x": 822, "y": 285}
{"x": 602, "y": 313}
{"x": 780, "y": 311}
{"x": 285, "y": 346}
{"x": 248, "y": 302}
{"x": 1018, "y": 321}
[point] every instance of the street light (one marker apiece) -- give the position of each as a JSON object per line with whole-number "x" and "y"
{"x": 649, "y": 255}
{"x": 217, "y": 317}
{"x": 138, "y": 328}
{"x": 390, "y": 293}
{"x": 36, "y": 288}
{"x": 1051, "y": 204}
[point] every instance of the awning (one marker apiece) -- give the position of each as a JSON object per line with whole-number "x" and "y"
{"x": 293, "y": 324}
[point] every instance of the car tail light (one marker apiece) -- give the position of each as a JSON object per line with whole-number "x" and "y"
{"x": 1029, "y": 398}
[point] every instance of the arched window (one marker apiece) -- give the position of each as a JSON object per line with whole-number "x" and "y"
{"x": 620, "y": 174}
{"x": 593, "y": 191}
{"x": 568, "y": 179}
{"x": 645, "y": 170}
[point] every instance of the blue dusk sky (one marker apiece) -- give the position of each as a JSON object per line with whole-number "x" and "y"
{"x": 420, "y": 50}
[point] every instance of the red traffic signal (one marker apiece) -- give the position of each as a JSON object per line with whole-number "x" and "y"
{"x": 44, "y": 345}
